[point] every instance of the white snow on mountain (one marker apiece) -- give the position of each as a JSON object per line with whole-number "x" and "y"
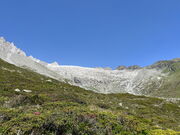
{"x": 95, "y": 79}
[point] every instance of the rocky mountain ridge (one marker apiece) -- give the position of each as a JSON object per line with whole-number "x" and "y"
{"x": 133, "y": 79}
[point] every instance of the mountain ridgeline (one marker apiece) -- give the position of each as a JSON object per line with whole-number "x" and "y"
{"x": 37, "y": 98}
{"x": 31, "y": 103}
{"x": 159, "y": 79}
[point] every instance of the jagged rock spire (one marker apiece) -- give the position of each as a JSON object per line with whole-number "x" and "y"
{"x": 10, "y": 48}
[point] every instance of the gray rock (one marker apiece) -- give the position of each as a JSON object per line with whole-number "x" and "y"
{"x": 76, "y": 80}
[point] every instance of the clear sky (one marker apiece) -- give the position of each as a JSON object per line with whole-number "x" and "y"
{"x": 93, "y": 33}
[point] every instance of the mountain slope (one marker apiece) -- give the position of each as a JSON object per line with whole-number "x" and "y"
{"x": 170, "y": 86}
{"x": 13, "y": 55}
{"x": 160, "y": 79}
{"x": 109, "y": 81}
{"x": 53, "y": 107}
{"x": 99, "y": 80}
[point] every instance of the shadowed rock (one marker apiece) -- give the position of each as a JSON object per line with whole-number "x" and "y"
{"x": 121, "y": 67}
{"x": 134, "y": 67}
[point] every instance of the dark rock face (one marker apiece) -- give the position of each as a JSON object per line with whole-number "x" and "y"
{"x": 121, "y": 67}
{"x": 76, "y": 80}
{"x": 134, "y": 67}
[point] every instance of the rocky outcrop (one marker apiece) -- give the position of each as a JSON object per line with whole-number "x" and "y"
{"x": 168, "y": 65}
{"x": 121, "y": 67}
{"x": 133, "y": 79}
{"x": 176, "y": 59}
{"x": 134, "y": 67}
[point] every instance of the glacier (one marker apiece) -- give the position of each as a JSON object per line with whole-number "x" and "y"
{"x": 134, "y": 81}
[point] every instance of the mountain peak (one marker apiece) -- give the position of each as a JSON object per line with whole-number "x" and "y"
{"x": 10, "y": 48}
{"x": 54, "y": 64}
{"x": 2, "y": 39}
{"x": 176, "y": 59}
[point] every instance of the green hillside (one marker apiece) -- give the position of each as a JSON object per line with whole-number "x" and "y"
{"x": 56, "y": 108}
{"x": 171, "y": 83}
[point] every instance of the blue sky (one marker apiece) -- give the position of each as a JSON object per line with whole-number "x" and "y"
{"x": 94, "y": 33}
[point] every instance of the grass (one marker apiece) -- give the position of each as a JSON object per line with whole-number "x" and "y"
{"x": 61, "y": 109}
{"x": 171, "y": 84}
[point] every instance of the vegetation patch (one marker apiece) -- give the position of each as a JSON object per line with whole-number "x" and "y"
{"x": 56, "y": 108}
